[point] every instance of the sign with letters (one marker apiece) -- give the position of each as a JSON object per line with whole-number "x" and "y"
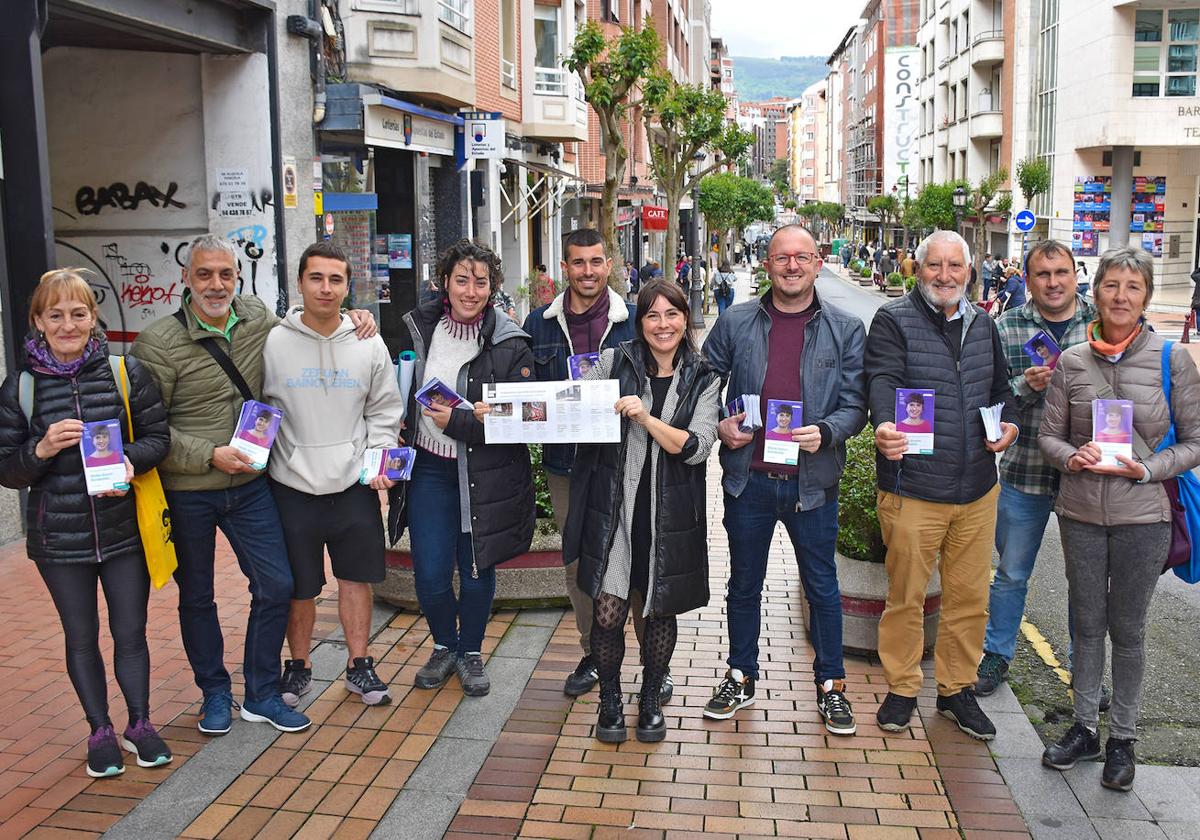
{"x": 654, "y": 218}
{"x": 483, "y": 135}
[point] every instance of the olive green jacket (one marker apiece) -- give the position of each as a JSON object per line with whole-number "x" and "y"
{"x": 202, "y": 404}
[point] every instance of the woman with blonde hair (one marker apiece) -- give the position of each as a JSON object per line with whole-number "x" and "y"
{"x": 77, "y": 540}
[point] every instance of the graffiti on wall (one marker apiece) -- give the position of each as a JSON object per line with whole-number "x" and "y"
{"x": 138, "y": 279}
{"x": 91, "y": 201}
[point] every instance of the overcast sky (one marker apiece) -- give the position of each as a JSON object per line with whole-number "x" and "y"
{"x": 771, "y": 28}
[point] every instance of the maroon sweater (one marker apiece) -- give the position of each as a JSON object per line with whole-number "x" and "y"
{"x": 785, "y": 346}
{"x": 587, "y": 328}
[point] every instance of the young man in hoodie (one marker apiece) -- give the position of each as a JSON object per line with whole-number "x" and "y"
{"x": 339, "y": 398}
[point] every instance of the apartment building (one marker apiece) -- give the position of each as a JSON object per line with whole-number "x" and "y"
{"x": 967, "y": 119}
{"x": 807, "y": 137}
{"x": 721, "y": 69}
{"x": 1125, "y": 140}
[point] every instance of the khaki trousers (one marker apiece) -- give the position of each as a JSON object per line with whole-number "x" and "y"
{"x": 959, "y": 539}
{"x": 581, "y": 602}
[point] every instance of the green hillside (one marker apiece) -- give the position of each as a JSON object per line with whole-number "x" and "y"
{"x": 761, "y": 78}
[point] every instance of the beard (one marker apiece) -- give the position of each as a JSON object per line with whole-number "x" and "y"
{"x": 932, "y": 299}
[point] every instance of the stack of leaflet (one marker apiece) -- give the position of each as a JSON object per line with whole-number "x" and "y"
{"x": 747, "y": 404}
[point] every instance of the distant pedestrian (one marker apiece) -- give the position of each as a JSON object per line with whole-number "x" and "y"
{"x": 723, "y": 286}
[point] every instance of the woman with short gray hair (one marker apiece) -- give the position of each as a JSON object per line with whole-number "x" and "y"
{"x": 1115, "y": 515}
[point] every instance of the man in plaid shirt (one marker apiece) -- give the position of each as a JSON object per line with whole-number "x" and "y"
{"x": 1027, "y": 483}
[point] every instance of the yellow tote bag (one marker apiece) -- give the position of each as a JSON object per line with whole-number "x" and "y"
{"x": 153, "y": 515}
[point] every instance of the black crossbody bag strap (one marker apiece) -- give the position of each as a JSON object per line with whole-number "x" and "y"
{"x": 221, "y": 358}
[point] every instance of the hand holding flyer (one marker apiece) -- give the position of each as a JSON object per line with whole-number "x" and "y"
{"x": 436, "y": 392}
{"x": 1112, "y": 429}
{"x": 749, "y": 405}
{"x": 1042, "y": 350}
{"x": 552, "y": 412}
{"x": 991, "y": 421}
{"x": 255, "y": 432}
{"x": 914, "y": 417}
{"x": 395, "y": 463}
{"x": 783, "y": 417}
{"x": 103, "y": 457}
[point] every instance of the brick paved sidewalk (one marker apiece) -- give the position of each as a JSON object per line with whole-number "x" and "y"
{"x": 772, "y": 770}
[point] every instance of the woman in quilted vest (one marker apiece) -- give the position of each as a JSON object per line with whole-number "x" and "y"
{"x": 1115, "y": 519}
{"x": 75, "y": 539}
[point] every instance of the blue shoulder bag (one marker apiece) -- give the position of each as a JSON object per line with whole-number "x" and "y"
{"x": 1184, "y": 493}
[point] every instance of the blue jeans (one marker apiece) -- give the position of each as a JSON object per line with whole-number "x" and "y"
{"x": 439, "y": 545}
{"x": 724, "y": 300}
{"x": 249, "y": 520}
{"x": 750, "y": 523}
{"x": 1020, "y": 523}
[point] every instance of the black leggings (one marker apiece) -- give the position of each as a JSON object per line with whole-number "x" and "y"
{"x": 608, "y": 639}
{"x": 126, "y": 591}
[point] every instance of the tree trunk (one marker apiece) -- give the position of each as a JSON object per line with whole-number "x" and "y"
{"x": 614, "y": 173}
{"x": 671, "y": 249}
{"x": 980, "y": 235}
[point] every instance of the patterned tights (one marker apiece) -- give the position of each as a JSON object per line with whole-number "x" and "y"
{"x": 608, "y": 638}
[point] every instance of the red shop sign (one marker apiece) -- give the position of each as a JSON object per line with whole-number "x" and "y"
{"x": 654, "y": 218}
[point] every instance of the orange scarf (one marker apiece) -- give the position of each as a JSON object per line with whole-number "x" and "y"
{"x": 1096, "y": 340}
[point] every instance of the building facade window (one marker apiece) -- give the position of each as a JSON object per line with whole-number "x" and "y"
{"x": 457, "y": 13}
{"x": 508, "y": 43}
{"x": 1165, "y": 51}
{"x": 549, "y": 76}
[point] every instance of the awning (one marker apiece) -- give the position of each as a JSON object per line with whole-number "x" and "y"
{"x": 544, "y": 169}
{"x": 525, "y": 204}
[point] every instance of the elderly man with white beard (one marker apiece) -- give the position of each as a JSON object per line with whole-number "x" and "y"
{"x": 939, "y": 508}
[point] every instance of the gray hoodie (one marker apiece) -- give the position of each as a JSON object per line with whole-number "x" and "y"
{"x": 339, "y": 397}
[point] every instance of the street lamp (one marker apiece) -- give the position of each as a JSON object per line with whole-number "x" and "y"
{"x": 960, "y": 204}
{"x": 696, "y": 298}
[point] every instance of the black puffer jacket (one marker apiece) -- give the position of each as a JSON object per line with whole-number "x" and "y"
{"x": 495, "y": 480}
{"x": 63, "y": 523}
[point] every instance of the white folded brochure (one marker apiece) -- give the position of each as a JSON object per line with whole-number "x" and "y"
{"x": 991, "y": 421}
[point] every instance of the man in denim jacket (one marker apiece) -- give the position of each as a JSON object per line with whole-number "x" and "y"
{"x": 586, "y": 318}
{"x": 788, "y": 345}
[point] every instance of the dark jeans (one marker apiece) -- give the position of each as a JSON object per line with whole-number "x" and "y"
{"x": 724, "y": 300}
{"x": 126, "y": 585}
{"x": 249, "y": 520}
{"x": 439, "y": 546}
{"x": 750, "y": 523}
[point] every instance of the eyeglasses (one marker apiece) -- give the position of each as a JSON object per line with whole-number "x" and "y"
{"x": 803, "y": 258}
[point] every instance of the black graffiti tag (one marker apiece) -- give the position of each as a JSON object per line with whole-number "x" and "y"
{"x": 89, "y": 201}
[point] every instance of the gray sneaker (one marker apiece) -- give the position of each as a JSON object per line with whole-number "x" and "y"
{"x": 437, "y": 670}
{"x": 475, "y": 680}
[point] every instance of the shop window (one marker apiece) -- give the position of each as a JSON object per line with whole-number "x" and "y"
{"x": 1165, "y": 52}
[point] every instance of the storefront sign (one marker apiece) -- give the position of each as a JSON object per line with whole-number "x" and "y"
{"x": 626, "y": 216}
{"x": 654, "y": 218}
{"x": 483, "y": 133}
{"x": 384, "y": 126}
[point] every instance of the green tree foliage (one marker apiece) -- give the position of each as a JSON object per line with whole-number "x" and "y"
{"x": 612, "y": 72}
{"x": 1033, "y": 178}
{"x": 858, "y": 525}
{"x": 978, "y": 201}
{"x": 686, "y": 124}
{"x": 730, "y": 202}
{"x": 934, "y": 205}
{"x": 887, "y": 208}
{"x": 777, "y": 176}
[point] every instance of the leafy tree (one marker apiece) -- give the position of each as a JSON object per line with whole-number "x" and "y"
{"x": 611, "y": 72}
{"x": 887, "y": 208}
{"x": 779, "y": 176}
{"x": 730, "y": 202}
{"x": 934, "y": 205}
{"x": 1033, "y": 178}
{"x": 685, "y": 122}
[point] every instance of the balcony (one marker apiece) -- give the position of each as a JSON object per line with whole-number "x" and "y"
{"x": 559, "y": 112}
{"x": 987, "y": 125}
{"x": 987, "y": 48}
{"x": 422, "y": 47}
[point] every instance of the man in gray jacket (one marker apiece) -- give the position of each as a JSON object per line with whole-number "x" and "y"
{"x": 788, "y": 346}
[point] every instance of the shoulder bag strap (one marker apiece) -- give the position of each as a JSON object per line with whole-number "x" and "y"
{"x": 25, "y": 394}
{"x": 221, "y": 358}
{"x": 1166, "y": 378}
{"x": 1105, "y": 392}
{"x": 117, "y": 363}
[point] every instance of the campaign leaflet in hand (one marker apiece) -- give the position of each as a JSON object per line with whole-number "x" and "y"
{"x": 783, "y": 416}
{"x": 1112, "y": 429}
{"x": 436, "y": 392}
{"x": 991, "y": 421}
{"x": 552, "y": 412}
{"x": 1042, "y": 350}
{"x": 395, "y": 463}
{"x": 256, "y": 430}
{"x": 914, "y": 417}
{"x": 581, "y": 364}
{"x": 749, "y": 405}
{"x": 103, "y": 457}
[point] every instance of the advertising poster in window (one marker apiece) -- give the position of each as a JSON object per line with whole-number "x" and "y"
{"x": 1092, "y": 208}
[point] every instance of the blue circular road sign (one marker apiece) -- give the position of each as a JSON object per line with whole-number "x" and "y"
{"x": 1025, "y": 220}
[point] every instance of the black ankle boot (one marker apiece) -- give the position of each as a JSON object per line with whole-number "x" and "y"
{"x": 610, "y": 723}
{"x": 651, "y": 726}
{"x": 1119, "y": 764}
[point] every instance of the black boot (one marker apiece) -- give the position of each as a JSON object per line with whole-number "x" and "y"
{"x": 610, "y": 723}
{"x": 651, "y": 726}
